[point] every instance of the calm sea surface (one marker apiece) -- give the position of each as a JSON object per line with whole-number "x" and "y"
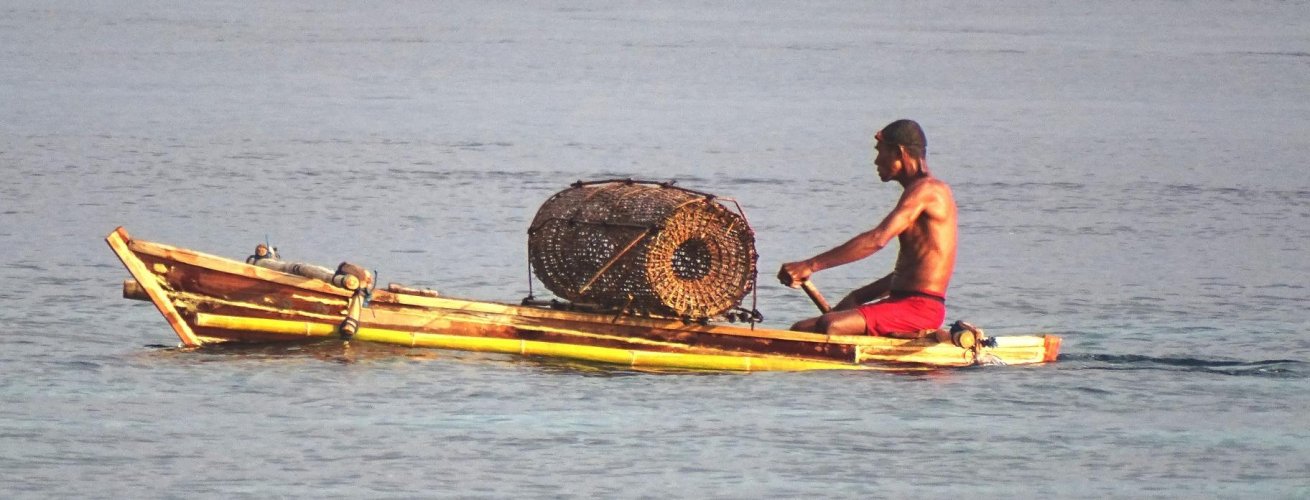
{"x": 1130, "y": 175}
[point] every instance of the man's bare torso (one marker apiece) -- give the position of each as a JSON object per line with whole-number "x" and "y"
{"x": 926, "y": 258}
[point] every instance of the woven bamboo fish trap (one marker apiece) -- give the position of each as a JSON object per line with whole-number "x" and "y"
{"x": 643, "y": 247}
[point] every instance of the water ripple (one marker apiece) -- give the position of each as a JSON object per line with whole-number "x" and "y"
{"x": 1271, "y": 368}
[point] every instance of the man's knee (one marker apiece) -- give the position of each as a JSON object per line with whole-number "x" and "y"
{"x": 842, "y": 323}
{"x": 823, "y": 325}
{"x": 834, "y": 325}
{"x": 805, "y": 325}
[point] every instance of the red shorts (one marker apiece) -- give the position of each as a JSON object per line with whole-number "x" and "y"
{"x": 903, "y": 314}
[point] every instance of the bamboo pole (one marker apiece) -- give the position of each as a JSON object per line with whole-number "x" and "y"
{"x": 278, "y": 326}
{"x": 626, "y": 357}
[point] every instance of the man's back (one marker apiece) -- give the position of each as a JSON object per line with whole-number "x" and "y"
{"x": 926, "y": 258}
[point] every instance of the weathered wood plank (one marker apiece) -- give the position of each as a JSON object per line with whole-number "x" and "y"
{"x": 119, "y": 241}
{"x": 224, "y": 265}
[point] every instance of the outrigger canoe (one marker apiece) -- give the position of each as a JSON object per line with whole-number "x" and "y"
{"x": 209, "y": 299}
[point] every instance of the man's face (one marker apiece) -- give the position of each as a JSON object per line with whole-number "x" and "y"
{"x": 888, "y": 160}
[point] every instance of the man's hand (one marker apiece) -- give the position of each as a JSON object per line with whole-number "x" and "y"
{"x": 793, "y": 274}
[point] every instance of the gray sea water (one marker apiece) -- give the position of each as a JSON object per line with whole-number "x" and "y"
{"x": 1131, "y": 175}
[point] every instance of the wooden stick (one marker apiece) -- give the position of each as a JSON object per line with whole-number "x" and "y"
{"x": 583, "y": 291}
{"x": 816, "y": 297}
{"x": 133, "y": 290}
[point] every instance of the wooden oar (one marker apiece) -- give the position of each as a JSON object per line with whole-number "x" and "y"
{"x": 815, "y": 296}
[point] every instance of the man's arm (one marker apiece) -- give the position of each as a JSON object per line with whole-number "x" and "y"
{"x": 865, "y": 294}
{"x": 910, "y": 206}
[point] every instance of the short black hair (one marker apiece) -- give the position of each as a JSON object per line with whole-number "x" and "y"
{"x": 905, "y": 133}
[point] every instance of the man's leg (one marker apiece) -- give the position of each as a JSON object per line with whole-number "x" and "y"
{"x": 806, "y": 325}
{"x": 848, "y": 322}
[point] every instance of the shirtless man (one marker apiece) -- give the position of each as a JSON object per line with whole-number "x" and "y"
{"x": 914, "y": 294}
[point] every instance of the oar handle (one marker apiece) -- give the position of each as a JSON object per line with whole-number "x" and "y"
{"x": 815, "y": 296}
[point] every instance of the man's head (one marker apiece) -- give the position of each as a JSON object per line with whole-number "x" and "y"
{"x": 905, "y": 133}
{"x": 902, "y": 151}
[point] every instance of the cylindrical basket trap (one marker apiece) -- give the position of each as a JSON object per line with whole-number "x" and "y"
{"x": 643, "y": 247}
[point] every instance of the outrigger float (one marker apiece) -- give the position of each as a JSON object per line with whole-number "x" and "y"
{"x": 209, "y": 299}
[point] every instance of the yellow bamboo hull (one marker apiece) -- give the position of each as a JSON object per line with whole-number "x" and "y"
{"x": 209, "y": 299}
{"x": 624, "y": 357}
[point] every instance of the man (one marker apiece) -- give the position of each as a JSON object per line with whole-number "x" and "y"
{"x": 924, "y": 220}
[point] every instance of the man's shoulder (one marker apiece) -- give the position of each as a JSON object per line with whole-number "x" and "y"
{"x": 936, "y": 181}
{"x": 932, "y": 194}
{"x": 930, "y": 185}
